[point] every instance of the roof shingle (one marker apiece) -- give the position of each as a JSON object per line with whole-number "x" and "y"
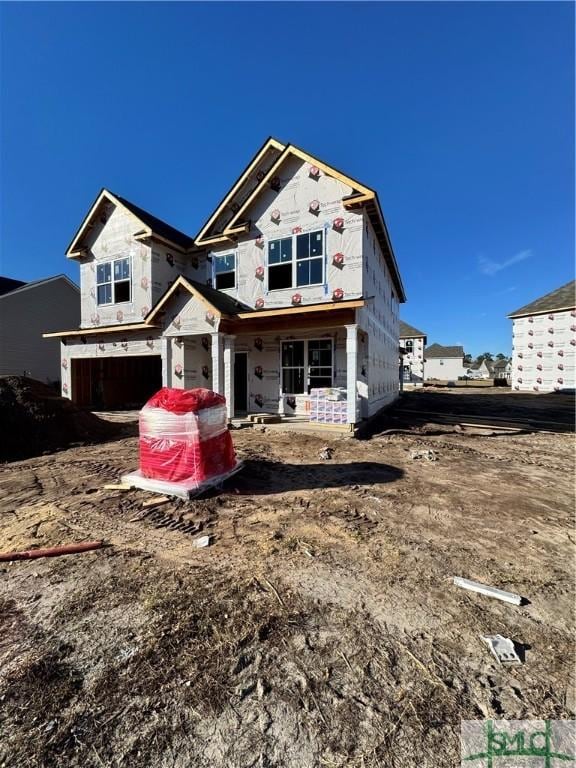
{"x": 157, "y": 226}
{"x": 409, "y": 332}
{"x": 561, "y": 298}
{"x": 437, "y": 350}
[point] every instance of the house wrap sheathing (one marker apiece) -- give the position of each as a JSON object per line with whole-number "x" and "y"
{"x": 341, "y": 314}
{"x": 544, "y": 342}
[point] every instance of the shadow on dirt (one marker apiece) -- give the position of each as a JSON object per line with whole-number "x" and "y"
{"x": 261, "y": 476}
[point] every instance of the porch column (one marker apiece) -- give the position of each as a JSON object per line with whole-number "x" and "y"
{"x": 217, "y": 363}
{"x": 351, "y": 371}
{"x": 229, "y": 374}
{"x": 166, "y": 361}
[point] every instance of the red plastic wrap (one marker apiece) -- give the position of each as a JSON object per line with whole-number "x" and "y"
{"x": 184, "y": 436}
{"x": 185, "y": 400}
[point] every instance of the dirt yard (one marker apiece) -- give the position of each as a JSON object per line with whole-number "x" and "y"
{"x": 321, "y": 628}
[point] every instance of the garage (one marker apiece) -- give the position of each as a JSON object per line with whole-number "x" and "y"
{"x": 107, "y": 383}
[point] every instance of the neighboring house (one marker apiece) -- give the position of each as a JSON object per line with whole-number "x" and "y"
{"x": 412, "y": 341}
{"x": 27, "y": 310}
{"x": 7, "y": 284}
{"x": 291, "y": 285}
{"x": 444, "y": 363}
{"x": 544, "y": 342}
{"x": 481, "y": 370}
{"x": 502, "y": 369}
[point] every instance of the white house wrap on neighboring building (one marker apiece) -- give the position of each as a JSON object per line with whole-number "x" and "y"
{"x": 444, "y": 363}
{"x": 290, "y": 287}
{"x": 413, "y": 342}
{"x": 544, "y": 342}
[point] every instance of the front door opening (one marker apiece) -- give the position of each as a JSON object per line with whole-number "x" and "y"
{"x": 240, "y": 383}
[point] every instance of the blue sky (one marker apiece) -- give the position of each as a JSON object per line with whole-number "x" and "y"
{"x": 461, "y": 115}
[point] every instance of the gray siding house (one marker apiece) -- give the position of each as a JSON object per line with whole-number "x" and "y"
{"x": 27, "y": 310}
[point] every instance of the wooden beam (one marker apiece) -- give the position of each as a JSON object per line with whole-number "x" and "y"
{"x": 542, "y": 312}
{"x": 257, "y": 189}
{"x": 284, "y": 311}
{"x": 181, "y": 282}
{"x": 270, "y": 144}
{"x": 152, "y": 236}
{"x": 330, "y": 171}
{"x": 326, "y": 320}
{"x": 104, "y": 329}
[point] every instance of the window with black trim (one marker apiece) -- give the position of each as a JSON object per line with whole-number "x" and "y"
{"x": 409, "y": 345}
{"x": 293, "y": 370}
{"x": 280, "y": 264}
{"x": 113, "y": 282}
{"x": 306, "y": 365}
{"x": 309, "y": 258}
{"x": 306, "y": 269}
{"x": 320, "y": 372}
{"x": 225, "y": 271}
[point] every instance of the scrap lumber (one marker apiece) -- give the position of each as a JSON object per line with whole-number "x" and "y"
{"x": 117, "y": 487}
{"x": 499, "y": 594}
{"x": 156, "y": 501}
{"x": 64, "y": 549}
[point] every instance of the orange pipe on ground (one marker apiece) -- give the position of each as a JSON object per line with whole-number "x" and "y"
{"x": 65, "y": 549}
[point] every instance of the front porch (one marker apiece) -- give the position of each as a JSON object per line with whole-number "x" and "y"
{"x": 280, "y": 423}
{"x": 304, "y": 377}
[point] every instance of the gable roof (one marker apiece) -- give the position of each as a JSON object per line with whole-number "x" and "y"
{"x": 361, "y": 195}
{"x": 158, "y": 226}
{"x": 271, "y": 147}
{"x": 7, "y": 284}
{"x": 561, "y": 298}
{"x": 437, "y": 350}
{"x": 499, "y": 364}
{"x": 409, "y": 332}
{"x": 213, "y": 299}
{"x": 153, "y": 225}
{"x": 36, "y": 283}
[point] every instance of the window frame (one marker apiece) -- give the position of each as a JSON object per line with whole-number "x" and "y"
{"x": 280, "y": 263}
{"x": 112, "y": 282}
{"x": 294, "y": 260}
{"x": 307, "y": 365}
{"x": 309, "y": 258}
{"x": 233, "y": 271}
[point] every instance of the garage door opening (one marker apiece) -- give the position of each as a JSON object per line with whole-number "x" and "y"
{"x": 110, "y": 383}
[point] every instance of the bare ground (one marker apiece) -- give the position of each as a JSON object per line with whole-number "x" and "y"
{"x": 321, "y": 628}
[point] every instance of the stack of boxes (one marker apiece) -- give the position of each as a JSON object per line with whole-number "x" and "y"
{"x": 328, "y": 405}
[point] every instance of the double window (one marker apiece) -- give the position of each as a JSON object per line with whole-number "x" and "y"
{"x": 113, "y": 281}
{"x": 306, "y": 365}
{"x": 285, "y": 271}
{"x": 225, "y": 271}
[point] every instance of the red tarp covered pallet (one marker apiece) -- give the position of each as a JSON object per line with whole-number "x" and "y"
{"x": 185, "y": 445}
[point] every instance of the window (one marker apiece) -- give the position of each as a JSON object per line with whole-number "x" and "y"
{"x": 306, "y": 365}
{"x": 280, "y": 264}
{"x": 309, "y": 258}
{"x": 307, "y": 269}
{"x": 113, "y": 281}
{"x": 225, "y": 271}
{"x": 293, "y": 367}
{"x": 320, "y": 363}
{"x": 409, "y": 345}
